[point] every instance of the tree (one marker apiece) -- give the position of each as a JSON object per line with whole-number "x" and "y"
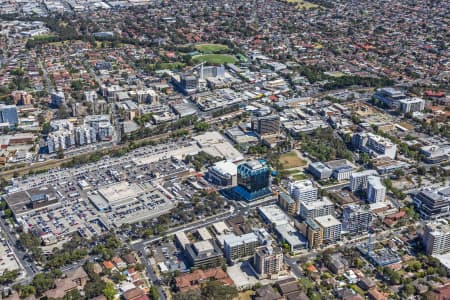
{"x": 60, "y": 153}
{"x": 25, "y": 290}
{"x": 73, "y": 295}
{"x": 216, "y": 290}
{"x": 399, "y": 173}
{"x": 408, "y": 289}
{"x": 201, "y": 126}
{"x": 46, "y": 128}
{"x": 94, "y": 287}
{"x": 154, "y": 292}
{"x": 365, "y": 158}
{"x": 421, "y": 170}
{"x": 109, "y": 291}
{"x": 42, "y": 282}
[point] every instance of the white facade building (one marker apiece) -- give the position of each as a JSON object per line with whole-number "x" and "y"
{"x": 359, "y": 180}
{"x": 303, "y": 190}
{"x": 316, "y": 209}
{"x": 412, "y": 105}
{"x": 376, "y": 191}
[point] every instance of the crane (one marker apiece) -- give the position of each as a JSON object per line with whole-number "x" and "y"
{"x": 201, "y": 69}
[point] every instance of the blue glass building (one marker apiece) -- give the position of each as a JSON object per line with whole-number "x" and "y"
{"x": 8, "y": 114}
{"x": 253, "y": 180}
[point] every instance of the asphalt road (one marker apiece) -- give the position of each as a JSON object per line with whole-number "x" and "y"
{"x": 20, "y": 255}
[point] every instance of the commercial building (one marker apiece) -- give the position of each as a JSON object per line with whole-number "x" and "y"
{"x": 303, "y": 191}
{"x": 386, "y": 165}
{"x": 412, "y": 105}
{"x": 266, "y": 125}
{"x": 253, "y": 180}
{"x": 376, "y": 191}
{"x": 204, "y": 254}
{"x": 236, "y": 247}
{"x": 189, "y": 83}
{"x": 435, "y": 154}
{"x": 356, "y": 219}
{"x": 389, "y": 96}
{"x": 287, "y": 203}
{"x": 322, "y": 207}
{"x": 436, "y": 237}
{"x": 359, "y": 180}
{"x": 268, "y": 260}
{"x": 23, "y": 202}
{"x": 8, "y": 114}
{"x": 223, "y": 173}
{"x": 272, "y": 214}
{"x": 341, "y": 169}
{"x": 375, "y": 145}
{"x": 288, "y": 234}
{"x": 433, "y": 204}
{"x": 331, "y": 227}
{"x": 57, "y": 99}
{"x": 319, "y": 170}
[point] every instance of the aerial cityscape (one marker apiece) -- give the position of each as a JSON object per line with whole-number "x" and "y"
{"x": 224, "y": 150}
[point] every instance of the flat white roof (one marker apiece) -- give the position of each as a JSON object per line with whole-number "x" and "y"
{"x": 274, "y": 214}
{"x": 327, "y": 221}
{"x": 120, "y": 191}
{"x": 317, "y": 204}
{"x": 225, "y": 167}
{"x": 235, "y": 240}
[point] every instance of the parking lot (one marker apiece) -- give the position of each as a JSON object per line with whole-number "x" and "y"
{"x": 169, "y": 258}
{"x": 7, "y": 259}
{"x": 71, "y": 203}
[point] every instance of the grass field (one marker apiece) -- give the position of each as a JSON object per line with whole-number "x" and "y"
{"x": 301, "y": 4}
{"x": 211, "y": 48}
{"x": 42, "y": 37}
{"x": 215, "y": 59}
{"x": 291, "y": 160}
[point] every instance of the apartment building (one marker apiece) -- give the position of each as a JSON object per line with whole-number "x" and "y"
{"x": 331, "y": 228}
{"x": 356, "y": 219}
{"x": 236, "y": 247}
{"x": 322, "y": 207}
{"x": 268, "y": 260}
{"x": 359, "y": 180}
{"x": 303, "y": 191}
{"x": 436, "y": 237}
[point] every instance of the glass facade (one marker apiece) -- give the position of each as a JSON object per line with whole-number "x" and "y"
{"x": 253, "y": 180}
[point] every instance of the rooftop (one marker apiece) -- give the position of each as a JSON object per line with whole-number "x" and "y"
{"x": 327, "y": 221}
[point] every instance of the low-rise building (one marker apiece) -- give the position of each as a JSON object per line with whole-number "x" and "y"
{"x": 289, "y": 235}
{"x": 319, "y": 170}
{"x": 204, "y": 254}
{"x": 341, "y": 169}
